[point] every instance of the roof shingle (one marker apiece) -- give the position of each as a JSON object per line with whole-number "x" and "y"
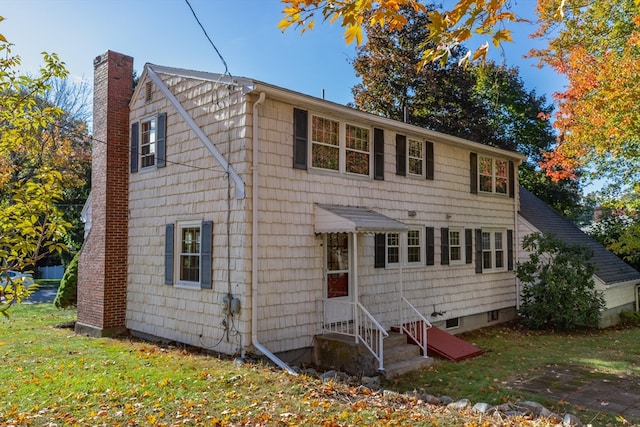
{"x": 609, "y": 268}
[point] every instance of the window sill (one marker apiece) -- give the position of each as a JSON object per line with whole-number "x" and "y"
{"x": 187, "y": 285}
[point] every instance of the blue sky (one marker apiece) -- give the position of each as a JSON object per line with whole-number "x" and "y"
{"x": 245, "y": 32}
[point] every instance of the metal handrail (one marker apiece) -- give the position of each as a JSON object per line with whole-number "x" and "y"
{"x": 361, "y": 325}
{"x": 410, "y": 318}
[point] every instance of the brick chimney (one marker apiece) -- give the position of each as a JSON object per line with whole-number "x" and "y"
{"x": 102, "y": 271}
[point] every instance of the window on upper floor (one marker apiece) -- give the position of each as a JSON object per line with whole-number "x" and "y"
{"x": 414, "y": 157}
{"x": 340, "y": 147}
{"x": 148, "y": 143}
{"x": 493, "y": 175}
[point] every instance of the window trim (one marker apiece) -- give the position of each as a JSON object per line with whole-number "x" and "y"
{"x": 420, "y": 247}
{"x": 343, "y": 150}
{"x": 493, "y": 250}
{"x": 388, "y": 246}
{"x": 403, "y": 248}
{"x": 421, "y": 158}
{"x": 181, "y": 225}
{"x": 153, "y": 153}
{"x": 461, "y": 246}
{"x": 493, "y": 176}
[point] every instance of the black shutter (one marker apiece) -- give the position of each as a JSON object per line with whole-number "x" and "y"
{"x": 380, "y": 250}
{"x": 168, "y": 254}
{"x": 161, "y": 140}
{"x": 206, "y": 246}
{"x": 510, "y": 250}
{"x": 512, "y": 179}
{"x": 473, "y": 172}
{"x": 401, "y": 155}
{"x": 431, "y": 246}
{"x": 134, "y": 146}
{"x": 444, "y": 246}
{"x": 468, "y": 245}
{"x": 378, "y": 154}
{"x": 300, "y": 135}
{"x": 478, "y": 251}
{"x": 430, "y": 161}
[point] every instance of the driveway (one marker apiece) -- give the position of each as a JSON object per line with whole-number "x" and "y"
{"x": 598, "y": 391}
{"x": 42, "y": 295}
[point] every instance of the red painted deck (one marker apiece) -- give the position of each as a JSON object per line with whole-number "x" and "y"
{"x": 449, "y": 346}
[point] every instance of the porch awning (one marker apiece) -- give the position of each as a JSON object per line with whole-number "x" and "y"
{"x": 351, "y": 219}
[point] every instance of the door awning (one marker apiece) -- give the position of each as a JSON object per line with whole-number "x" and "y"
{"x": 351, "y": 219}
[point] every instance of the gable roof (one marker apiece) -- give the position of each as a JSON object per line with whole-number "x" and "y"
{"x": 610, "y": 268}
{"x": 249, "y": 85}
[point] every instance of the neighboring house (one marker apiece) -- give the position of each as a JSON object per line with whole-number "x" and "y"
{"x": 235, "y": 215}
{"x": 619, "y": 282}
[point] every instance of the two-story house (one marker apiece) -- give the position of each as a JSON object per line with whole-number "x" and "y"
{"x": 235, "y": 215}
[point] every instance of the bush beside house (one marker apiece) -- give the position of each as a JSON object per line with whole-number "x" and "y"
{"x": 559, "y": 291}
{"x": 68, "y": 291}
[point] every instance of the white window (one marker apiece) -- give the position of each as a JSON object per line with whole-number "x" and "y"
{"x": 455, "y": 245}
{"x": 358, "y": 151}
{"x": 393, "y": 248}
{"x": 189, "y": 252}
{"x": 414, "y": 246}
{"x": 493, "y": 175}
{"x": 148, "y": 143}
{"x": 493, "y": 253}
{"x": 340, "y": 147}
{"x": 325, "y": 143}
{"x": 415, "y": 157}
{"x": 409, "y": 245}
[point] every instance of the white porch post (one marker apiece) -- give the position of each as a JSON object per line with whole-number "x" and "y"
{"x": 354, "y": 244}
{"x": 401, "y": 262}
{"x": 354, "y": 269}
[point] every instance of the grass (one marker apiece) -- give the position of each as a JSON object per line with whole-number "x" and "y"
{"x": 52, "y": 376}
{"x": 514, "y": 353}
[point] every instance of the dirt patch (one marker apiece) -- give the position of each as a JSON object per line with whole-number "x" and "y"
{"x": 597, "y": 391}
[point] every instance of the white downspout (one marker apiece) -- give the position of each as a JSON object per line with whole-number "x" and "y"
{"x": 516, "y": 233}
{"x": 254, "y": 245}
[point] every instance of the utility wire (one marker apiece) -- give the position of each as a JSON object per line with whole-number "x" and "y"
{"x": 226, "y": 68}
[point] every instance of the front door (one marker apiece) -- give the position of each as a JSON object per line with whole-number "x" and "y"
{"x": 337, "y": 279}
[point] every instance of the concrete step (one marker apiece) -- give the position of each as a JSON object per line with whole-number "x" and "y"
{"x": 394, "y": 339}
{"x": 400, "y": 353}
{"x": 396, "y": 369}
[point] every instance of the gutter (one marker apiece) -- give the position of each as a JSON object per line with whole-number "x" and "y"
{"x": 254, "y": 245}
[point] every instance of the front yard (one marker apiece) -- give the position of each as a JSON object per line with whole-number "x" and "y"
{"x": 51, "y": 376}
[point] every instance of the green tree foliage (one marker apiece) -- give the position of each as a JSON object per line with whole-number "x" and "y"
{"x": 31, "y": 225}
{"x": 67, "y": 295}
{"x": 558, "y": 289}
{"x": 618, "y": 229}
{"x": 488, "y": 104}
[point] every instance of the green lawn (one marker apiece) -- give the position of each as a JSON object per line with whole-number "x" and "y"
{"x": 50, "y": 376}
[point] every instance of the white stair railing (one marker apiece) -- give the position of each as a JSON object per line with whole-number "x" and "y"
{"x": 414, "y": 324}
{"x": 352, "y": 319}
